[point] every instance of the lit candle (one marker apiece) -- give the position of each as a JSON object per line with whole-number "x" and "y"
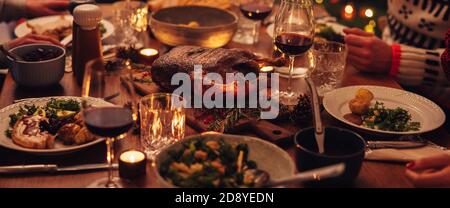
{"x": 267, "y": 69}
{"x": 148, "y": 55}
{"x": 132, "y": 164}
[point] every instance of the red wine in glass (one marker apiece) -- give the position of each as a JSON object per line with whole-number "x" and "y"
{"x": 293, "y": 44}
{"x": 108, "y": 121}
{"x": 256, "y": 11}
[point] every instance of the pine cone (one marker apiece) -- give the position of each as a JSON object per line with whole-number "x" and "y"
{"x": 128, "y": 53}
{"x": 302, "y": 112}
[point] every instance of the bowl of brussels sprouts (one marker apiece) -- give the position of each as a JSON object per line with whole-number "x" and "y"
{"x": 221, "y": 160}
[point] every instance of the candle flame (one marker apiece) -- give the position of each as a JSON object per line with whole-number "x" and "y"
{"x": 149, "y": 52}
{"x": 266, "y": 69}
{"x": 132, "y": 156}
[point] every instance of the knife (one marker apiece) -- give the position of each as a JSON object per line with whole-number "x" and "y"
{"x": 51, "y": 168}
{"x": 395, "y": 144}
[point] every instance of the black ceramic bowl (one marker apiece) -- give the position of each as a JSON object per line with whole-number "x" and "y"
{"x": 341, "y": 145}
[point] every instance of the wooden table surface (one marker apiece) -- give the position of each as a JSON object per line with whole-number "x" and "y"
{"x": 373, "y": 174}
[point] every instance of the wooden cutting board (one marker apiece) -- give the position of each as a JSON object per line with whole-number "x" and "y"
{"x": 263, "y": 128}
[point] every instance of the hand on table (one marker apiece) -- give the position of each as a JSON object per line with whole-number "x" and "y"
{"x": 367, "y": 52}
{"x": 430, "y": 172}
{"x": 37, "y": 8}
{"x": 30, "y": 39}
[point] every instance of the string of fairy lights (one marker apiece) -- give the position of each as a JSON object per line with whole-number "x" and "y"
{"x": 356, "y": 13}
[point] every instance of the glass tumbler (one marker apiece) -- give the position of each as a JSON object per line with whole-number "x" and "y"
{"x": 162, "y": 121}
{"x": 329, "y": 64}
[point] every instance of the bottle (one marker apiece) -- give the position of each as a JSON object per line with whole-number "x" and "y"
{"x": 72, "y": 5}
{"x": 88, "y": 43}
{"x": 75, "y": 3}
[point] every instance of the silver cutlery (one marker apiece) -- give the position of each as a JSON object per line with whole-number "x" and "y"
{"x": 51, "y": 168}
{"x": 263, "y": 178}
{"x": 403, "y": 142}
{"x": 67, "y": 40}
{"x": 395, "y": 144}
{"x": 107, "y": 98}
{"x": 318, "y": 127}
{"x": 13, "y": 56}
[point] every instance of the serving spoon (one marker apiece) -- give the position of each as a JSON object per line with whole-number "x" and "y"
{"x": 263, "y": 178}
{"x": 318, "y": 127}
{"x": 13, "y": 56}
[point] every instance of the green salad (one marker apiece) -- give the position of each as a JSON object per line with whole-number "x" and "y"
{"x": 57, "y": 111}
{"x": 381, "y": 118}
{"x": 209, "y": 163}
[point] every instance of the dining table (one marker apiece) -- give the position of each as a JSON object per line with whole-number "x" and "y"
{"x": 372, "y": 175}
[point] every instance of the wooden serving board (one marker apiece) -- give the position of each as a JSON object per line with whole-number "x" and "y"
{"x": 263, "y": 128}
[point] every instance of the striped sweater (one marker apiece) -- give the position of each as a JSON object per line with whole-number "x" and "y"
{"x": 417, "y": 30}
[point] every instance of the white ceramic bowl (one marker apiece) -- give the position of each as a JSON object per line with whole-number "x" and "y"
{"x": 40, "y": 73}
{"x": 267, "y": 156}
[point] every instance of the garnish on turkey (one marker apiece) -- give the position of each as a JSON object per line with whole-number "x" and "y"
{"x": 57, "y": 118}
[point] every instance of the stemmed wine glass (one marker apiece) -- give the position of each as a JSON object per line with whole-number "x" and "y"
{"x": 293, "y": 36}
{"x": 256, "y": 10}
{"x": 111, "y": 122}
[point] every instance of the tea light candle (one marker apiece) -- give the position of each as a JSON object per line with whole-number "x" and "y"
{"x": 132, "y": 164}
{"x": 148, "y": 55}
{"x": 266, "y": 69}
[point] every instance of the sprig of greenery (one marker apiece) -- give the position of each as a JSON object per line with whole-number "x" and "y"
{"x": 227, "y": 121}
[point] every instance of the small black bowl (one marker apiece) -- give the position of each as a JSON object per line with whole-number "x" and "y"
{"x": 341, "y": 146}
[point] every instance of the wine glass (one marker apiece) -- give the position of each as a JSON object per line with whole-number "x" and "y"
{"x": 256, "y": 10}
{"x": 111, "y": 122}
{"x": 293, "y": 36}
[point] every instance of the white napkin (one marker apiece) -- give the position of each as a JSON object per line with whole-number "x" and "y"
{"x": 404, "y": 155}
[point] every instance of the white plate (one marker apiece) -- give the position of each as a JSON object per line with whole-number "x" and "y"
{"x": 48, "y": 23}
{"x": 60, "y": 148}
{"x": 421, "y": 109}
{"x": 338, "y": 28}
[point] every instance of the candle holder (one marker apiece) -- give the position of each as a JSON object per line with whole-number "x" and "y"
{"x": 132, "y": 164}
{"x": 269, "y": 70}
{"x": 147, "y": 56}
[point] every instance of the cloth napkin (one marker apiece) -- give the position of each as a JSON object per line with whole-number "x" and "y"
{"x": 404, "y": 155}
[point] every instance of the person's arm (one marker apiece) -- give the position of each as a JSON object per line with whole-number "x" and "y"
{"x": 431, "y": 172}
{"x": 12, "y": 10}
{"x": 445, "y": 58}
{"x": 415, "y": 66}
{"x": 15, "y": 9}
{"x": 410, "y": 66}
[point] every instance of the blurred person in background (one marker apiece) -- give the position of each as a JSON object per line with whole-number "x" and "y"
{"x": 430, "y": 172}
{"x": 11, "y": 10}
{"x": 15, "y": 9}
{"x": 410, "y": 48}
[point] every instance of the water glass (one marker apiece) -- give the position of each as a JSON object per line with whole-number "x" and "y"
{"x": 329, "y": 64}
{"x": 245, "y": 33}
{"x": 131, "y": 19}
{"x": 162, "y": 121}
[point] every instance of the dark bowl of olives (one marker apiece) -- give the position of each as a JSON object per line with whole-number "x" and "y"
{"x": 41, "y": 65}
